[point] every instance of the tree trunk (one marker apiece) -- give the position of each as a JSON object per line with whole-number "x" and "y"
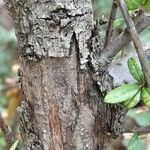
{"x": 63, "y": 84}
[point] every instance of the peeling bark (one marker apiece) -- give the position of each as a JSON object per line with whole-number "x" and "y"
{"x": 63, "y": 83}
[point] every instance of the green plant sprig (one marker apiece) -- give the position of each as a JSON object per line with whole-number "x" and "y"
{"x": 131, "y": 94}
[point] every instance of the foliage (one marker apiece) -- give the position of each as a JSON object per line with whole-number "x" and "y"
{"x": 133, "y": 101}
{"x": 146, "y": 96}
{"x": 2, "y": 141}
{"x": 138, "y": 4}
{"x": 135, "y": 143}
{"x": 8, "y": 44}
{"x": 142, "y": 118}
{"x": 131, "y": 94}
{"x": 122, "y": 93}
{"x": 135, "y": 70}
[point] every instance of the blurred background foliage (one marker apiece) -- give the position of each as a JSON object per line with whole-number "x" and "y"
{"x": 9, "y": 90}
{"x": 10, "y": 95}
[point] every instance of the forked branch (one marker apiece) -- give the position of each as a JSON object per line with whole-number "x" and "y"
{"x": 141, "y": 23}
{"x": 134, "y": 35}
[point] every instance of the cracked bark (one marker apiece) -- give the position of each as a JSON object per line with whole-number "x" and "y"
{"x": 62, "y": 82}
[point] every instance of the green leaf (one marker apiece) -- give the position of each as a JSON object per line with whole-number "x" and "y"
{"x": 141, "y": 2}
{"x": 122, "y": 93}
{"x": 132, "y": 113}
{"x": 133, "y": 139}
{"x": 135, "y": 143}
{"x": 142, "y": 119}
{"x": 135, "y": 70}
{"x": 146, "y": 96}
{"x": 132, "y": 4}
{"x": 2, "y": 142}
{"x": 133, "y": 101}
{"x": 13, "y": 147}
{"x": 147, "y": 5}
{"x": 136, "y": 4}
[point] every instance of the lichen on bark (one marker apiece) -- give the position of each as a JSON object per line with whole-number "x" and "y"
{"x": 45, "y": 29}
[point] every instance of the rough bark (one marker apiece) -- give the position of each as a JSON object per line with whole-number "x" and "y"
{"x": 62, "y": 82}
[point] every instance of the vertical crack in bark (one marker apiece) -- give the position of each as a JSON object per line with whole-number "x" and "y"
{"x": 80, "y": 74}
{"x": 83, "y": 125}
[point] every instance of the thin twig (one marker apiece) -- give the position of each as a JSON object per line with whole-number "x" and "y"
{"x": 139, "y": 131}
{"x": 117, "y": 43}
{"x": 5, "y": 130}
{"x": 134, "y": 35}
{"x": 110, "y": 23}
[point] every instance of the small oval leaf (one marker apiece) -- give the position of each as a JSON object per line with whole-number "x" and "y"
{"x": 146, "y": 96}
{"x": 135, "y": 71}
{"x": 122, "y": 93}
{"x": 133, "y": 101}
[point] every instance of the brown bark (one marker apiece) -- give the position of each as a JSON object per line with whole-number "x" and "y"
{"x": 62, "y": 82}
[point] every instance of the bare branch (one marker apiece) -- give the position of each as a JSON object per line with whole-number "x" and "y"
{"x": 138, "y": 130}
{"x": 6, "y": 132}
{"x": 110, "y": 23}
{"x": 141, "y": 23}
{"x": 136, "y": 41}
